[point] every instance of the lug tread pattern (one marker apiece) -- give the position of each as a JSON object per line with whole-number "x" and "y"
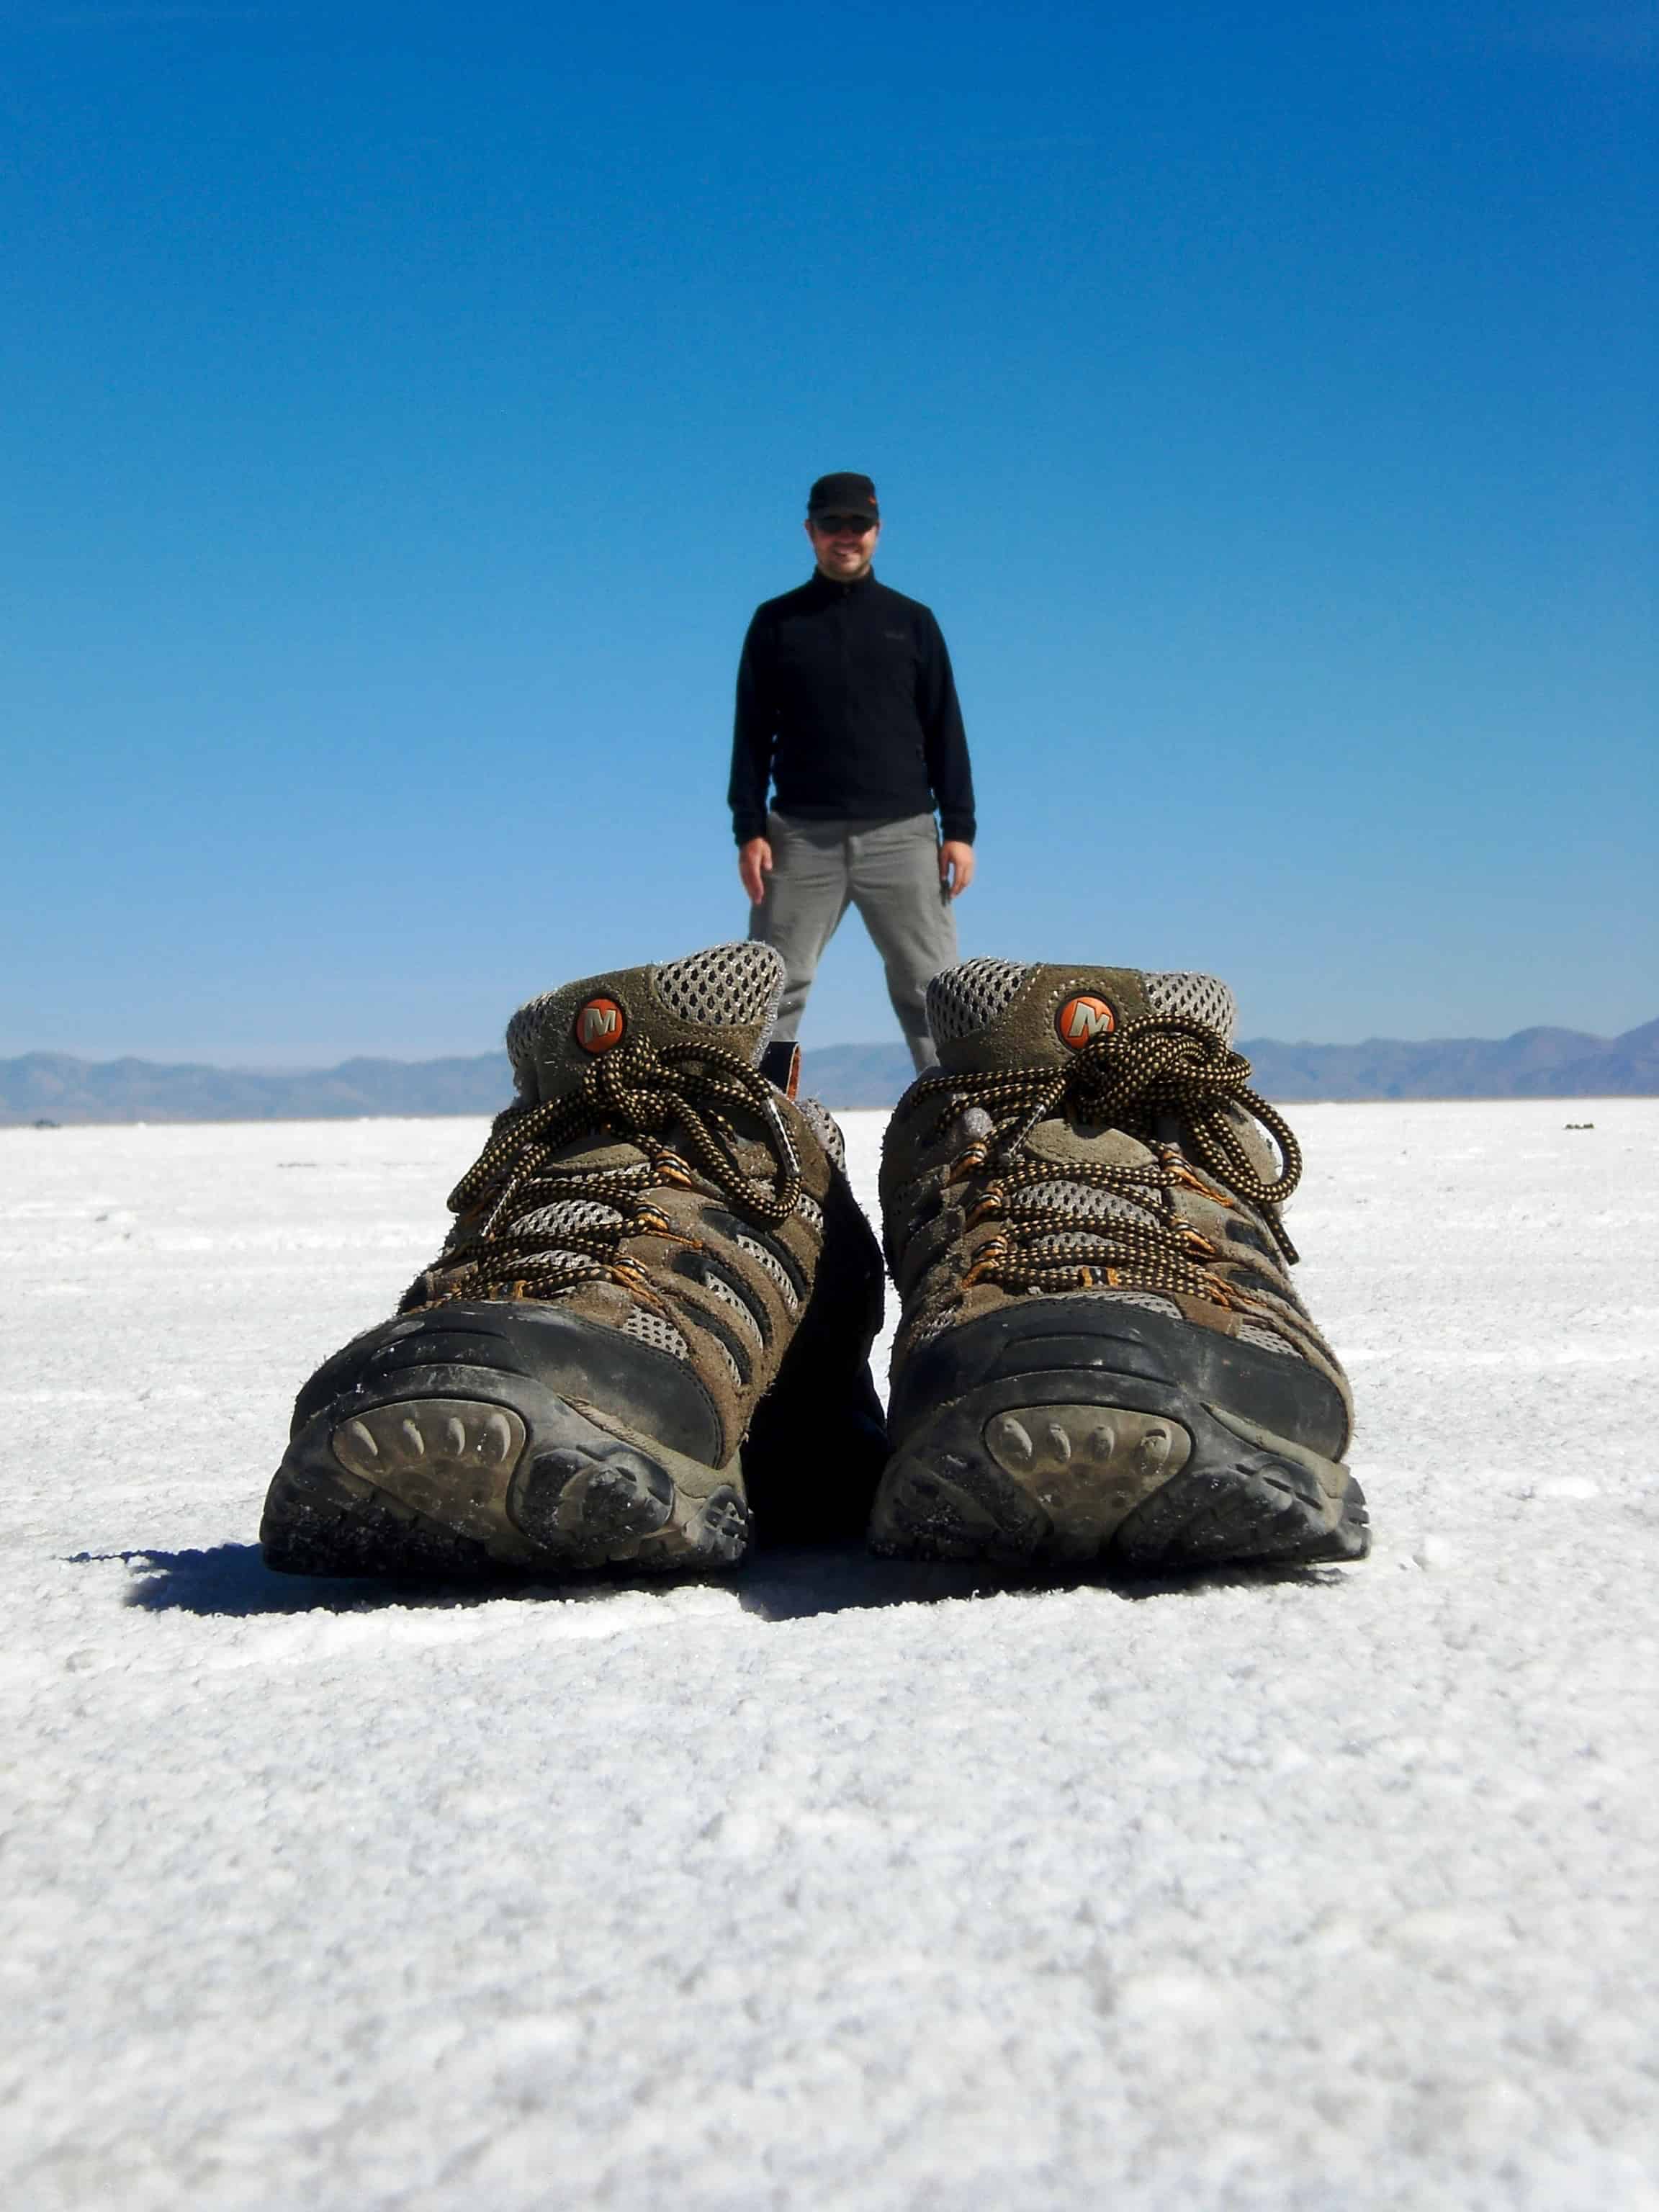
{"x": 1045, "y": 1485}
{"x": 465, "y": 1506}
{"x": 318, "y": 1524}
{"x": 1264, "y": 1508}
{"x": 447, "y": 1458}
{"x": 950, "y": 1505}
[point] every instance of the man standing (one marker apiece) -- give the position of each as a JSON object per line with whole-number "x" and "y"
{"x": 846, "y": 703}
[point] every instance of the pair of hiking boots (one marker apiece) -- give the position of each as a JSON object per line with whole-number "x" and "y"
{"x": 648, "y": 1332}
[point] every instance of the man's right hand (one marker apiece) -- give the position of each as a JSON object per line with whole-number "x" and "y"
{"x": 754, "y": 865}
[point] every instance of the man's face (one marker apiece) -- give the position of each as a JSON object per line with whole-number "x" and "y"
{"x": 844, "y": 545}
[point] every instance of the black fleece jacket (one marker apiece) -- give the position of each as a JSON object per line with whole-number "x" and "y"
{"x": 847, "y": 702}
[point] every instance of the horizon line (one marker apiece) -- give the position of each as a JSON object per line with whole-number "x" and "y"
{"x": 288, "y": 1065}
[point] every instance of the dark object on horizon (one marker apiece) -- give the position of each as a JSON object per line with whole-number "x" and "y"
{"x": 1537, "y": 1063}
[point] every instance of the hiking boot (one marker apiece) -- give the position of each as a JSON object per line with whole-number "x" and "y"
{"x": 652, "y": 1238}
{"x": 1100, "y": 1356}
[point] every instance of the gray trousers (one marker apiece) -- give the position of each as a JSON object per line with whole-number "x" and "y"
{"x": 889, "y": 871}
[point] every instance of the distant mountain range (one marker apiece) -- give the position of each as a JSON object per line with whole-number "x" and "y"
{"x": 54, "y": 1086}
{"x": 1542, "y": 1063}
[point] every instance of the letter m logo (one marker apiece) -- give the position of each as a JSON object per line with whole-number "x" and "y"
{"x": 599, "y": 1025}
{"x": 1082, "y": 1019}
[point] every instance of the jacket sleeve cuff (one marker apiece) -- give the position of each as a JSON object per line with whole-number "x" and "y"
{"x": 745, "y": 826}
{"x": 957, "y": 828}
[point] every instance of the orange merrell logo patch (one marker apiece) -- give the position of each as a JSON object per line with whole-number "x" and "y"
{"x": 599, "y": 1025}
{"x": 1082, "y": 1019}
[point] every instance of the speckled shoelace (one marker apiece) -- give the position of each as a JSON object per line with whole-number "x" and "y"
{"x": 1129, "y": 1079}
{"x": 635, "y": 1092}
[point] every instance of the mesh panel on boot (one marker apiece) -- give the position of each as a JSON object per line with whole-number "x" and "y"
{"x": 522, "y": 1031}
{"x": 651, "y": 1328}
{"x": 963, "y": 1000}
{"x": 1179, "y": 996}
{"x": 728, "y": 986}
{"x": 1268, "y": 1339}
{"x": 717, "y": 1287}
{"x": 1083, "y": 1201}
{"x": 825, "y": 1127}
{"x": 1058, "y": 1244}
{"x": 762, "y": 1259}
{"x": 570, "y": 1213}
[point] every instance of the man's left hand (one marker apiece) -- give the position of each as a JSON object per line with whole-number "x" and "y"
{"x": 955, "y": 866}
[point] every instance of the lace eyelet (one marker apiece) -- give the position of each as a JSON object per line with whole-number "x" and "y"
{"x": 995, "y": 1202}
{"x": 995, "y": 1249}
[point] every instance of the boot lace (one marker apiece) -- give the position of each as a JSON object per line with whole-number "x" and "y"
{"x": 1130, "y": 1078}
{"x": 639, "y": 1092}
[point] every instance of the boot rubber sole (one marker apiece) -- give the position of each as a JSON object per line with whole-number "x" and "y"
{"x": 1084, "y": 1469}
{"x": 482, "y": 1473}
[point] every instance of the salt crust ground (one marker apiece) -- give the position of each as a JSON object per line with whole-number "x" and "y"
{"x": 846, "y": 1884}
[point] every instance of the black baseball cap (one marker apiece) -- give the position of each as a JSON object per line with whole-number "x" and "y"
{"x": 844, "y": 493}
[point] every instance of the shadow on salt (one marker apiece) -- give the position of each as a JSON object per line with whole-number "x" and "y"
{"x": 795, "y": 1582}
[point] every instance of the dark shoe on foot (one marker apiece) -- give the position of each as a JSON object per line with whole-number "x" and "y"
{"x": 653, "y": 1238}
{"x": 1101, "y": 1357}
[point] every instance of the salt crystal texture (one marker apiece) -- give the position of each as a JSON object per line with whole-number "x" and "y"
{"x": 844, "y": 1884}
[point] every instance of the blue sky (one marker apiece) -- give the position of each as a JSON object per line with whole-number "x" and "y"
{"x": 401, "y": 410}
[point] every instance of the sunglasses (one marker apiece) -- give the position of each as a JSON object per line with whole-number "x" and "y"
{"x": 842, "y": 525}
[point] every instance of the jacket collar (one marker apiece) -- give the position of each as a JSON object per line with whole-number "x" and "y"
{"x": 830, "y": 588}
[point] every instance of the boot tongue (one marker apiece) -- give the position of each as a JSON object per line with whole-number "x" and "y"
{"x": 1003, "y": 1013}
{"x": 727, "y": 997}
